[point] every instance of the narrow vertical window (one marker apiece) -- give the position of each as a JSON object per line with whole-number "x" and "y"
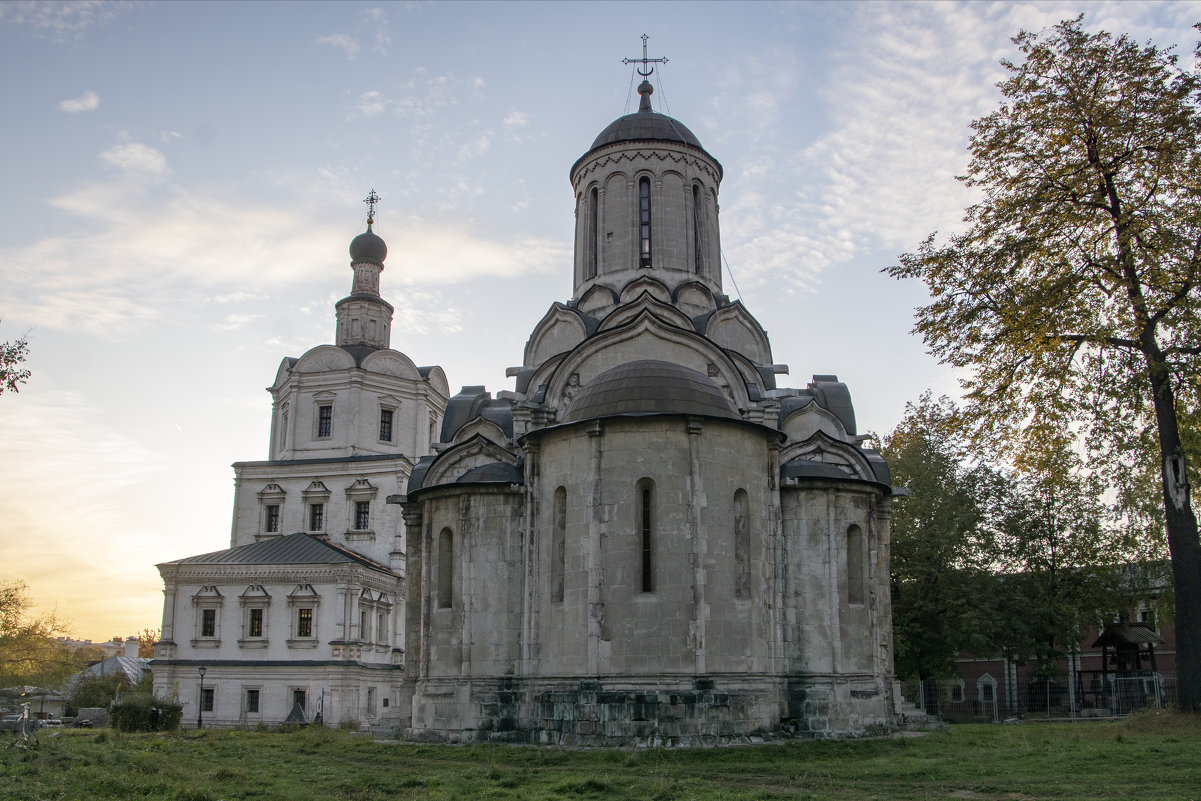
{"x": 255, "y": 629}
{"x": 558, "y": 550}
{"x": 645, "y": 500}
{"x": 644, "y": 222}
{"x": 208, "y": 623}
{"x": 206, "y": 699}
{"x": 854, "y": 565}
{"x": 697, "y": 248}
{"x": 362, "y": 515}
{"x": 364, "y": 626}
{"x": 593, "y": 231}
{"x": 325, "y": 420}
{"x": 283, "y": 432}
{"x": 271, "y": 524}
{"x": 380, "y": 628}
{"x": 445, "y": 568}
{"x": 385, "y": 425}
{"x": 316, "y": 517}
{"x": 252, "y": 701}
{"x": 304, "y": 622}
{"x": 742, "y": 546}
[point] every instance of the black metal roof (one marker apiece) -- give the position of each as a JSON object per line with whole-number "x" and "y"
{"x": 1132, "y": 636}
{"x": 291, "y": 549}
{"x": 650, "y": 386}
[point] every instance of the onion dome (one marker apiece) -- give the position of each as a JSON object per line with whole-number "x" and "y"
{"x": 368, "y": 246}
{"x": 650, "y": 386}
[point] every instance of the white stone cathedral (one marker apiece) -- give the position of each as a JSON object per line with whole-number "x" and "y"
{"x": 646, "y": 541}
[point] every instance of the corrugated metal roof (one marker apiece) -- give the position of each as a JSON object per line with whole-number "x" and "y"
{"x": 292, "y": 549}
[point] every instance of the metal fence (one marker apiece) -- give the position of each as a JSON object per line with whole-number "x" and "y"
{"x": 1087, "y": 694}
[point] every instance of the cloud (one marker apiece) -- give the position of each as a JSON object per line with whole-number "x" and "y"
{"x": 516, "y": 119}
{"x": 377, "y": 20}
{"x": 370, "y": 104}
{"x": 88, "y": 101}
{"x": 881, "y": 174}
{"x": 347, "y": 44}
{"x": 136, "y": 157}
{"x": 418, "y": 97}
{"x": 476, "y": 147}
{"x": 139, "y": 252}
{"x": 233, "y": 322}
{"x": 59, "y": 21}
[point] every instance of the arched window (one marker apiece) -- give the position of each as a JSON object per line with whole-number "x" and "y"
{"x": 644, "y": 222}
{"x": 558, "y": 548}
{"x": 697, "y": 218}
{"x": 855, "y": 565}
{"x": 446, "y": 569}
{"x": 644, "y": 494}
{"x": 593, "y": 231}
{"x": 742, "y": 546}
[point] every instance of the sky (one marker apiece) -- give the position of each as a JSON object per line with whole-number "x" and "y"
{"x": 181, "y": 181}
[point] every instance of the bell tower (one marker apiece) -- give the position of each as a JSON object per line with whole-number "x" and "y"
{"x": 365, "y": 318}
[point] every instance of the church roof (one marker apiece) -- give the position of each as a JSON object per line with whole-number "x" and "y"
{"x": 368, "y": 246}
{"x": 292, "y": 549}
{"x": 493, "y": 473}
{"x": 650, "y": 386}
{"x": 645, "y": 125}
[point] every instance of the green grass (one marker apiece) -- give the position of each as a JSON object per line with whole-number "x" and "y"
{"x": 1151, "y": 757}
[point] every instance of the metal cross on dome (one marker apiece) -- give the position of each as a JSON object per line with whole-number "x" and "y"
{"x": 644, "y": 61}
{"x": 371, "y": 200}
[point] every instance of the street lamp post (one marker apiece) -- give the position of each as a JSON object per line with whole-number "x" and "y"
{"x": 200, "y": 701}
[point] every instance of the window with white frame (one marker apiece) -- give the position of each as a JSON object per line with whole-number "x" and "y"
{"x": 271, "y": 501}
{"x": 252, "y": 696}
{"x": 385, "y": 424}
{"x": 303, "y": 603}
{"x": 366, "y": 615}
{"x": 323, "y": 415}
{"x": 316, "y": 496}
{"x": 206, "y": 604}
{"x": 255, "y": 602}
{"x": 359, "y": 498}
{"x": 383, "y": 617}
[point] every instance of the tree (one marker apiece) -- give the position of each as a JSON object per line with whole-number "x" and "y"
{"x": 12, "y": 356}
{"x": 92, "y": 691}
{"x": 1062, "y": 561}
{"x": 29, "y": 654}
{"x": 147, "y": 637}
{"x": 1073, "y": 294}
{"x": 942, "y": 550}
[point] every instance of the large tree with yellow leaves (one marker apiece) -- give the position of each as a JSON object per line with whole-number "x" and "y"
{"x": 1073, "y": 295}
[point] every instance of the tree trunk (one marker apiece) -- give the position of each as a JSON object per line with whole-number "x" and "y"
{"x": 1183, "y": 543}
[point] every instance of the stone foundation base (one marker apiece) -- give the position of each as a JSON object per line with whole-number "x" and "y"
{"x": 650, "y": 711}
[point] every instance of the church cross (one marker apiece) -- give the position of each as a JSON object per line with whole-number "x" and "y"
{"x": 644, "y": 61}
{"x": 371, "y": 200}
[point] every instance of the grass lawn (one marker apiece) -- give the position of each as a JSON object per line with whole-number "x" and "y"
{"x": 1149, "y": 757}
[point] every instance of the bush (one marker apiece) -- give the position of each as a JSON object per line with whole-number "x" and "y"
{"x": 99, "y": 690}
{"x": 145, "y": 713}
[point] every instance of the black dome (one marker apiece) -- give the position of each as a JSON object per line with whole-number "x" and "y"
{"x": 650, "y": 387}
{"x": 368, "y": 247}
{"x": 646, "y": 126}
